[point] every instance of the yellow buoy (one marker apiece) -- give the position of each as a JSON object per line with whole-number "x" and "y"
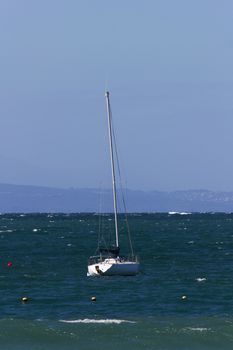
{"x": 24, "y": 299}
{"x": 93, "y": 298}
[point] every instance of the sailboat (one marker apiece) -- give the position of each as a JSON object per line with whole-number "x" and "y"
{"x": 108, "y": 261}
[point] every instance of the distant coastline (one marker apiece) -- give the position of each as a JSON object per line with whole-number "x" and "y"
{"x": 29, "y": 199}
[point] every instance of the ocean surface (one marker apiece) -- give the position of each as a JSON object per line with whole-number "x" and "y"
{"x": 182, "y": 298}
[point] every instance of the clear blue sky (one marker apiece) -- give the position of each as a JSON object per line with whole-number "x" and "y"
{"x": 169, "y": 68}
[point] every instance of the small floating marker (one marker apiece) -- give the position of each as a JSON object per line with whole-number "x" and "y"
{"x": 24, "y": 299}
{"x": 93, "y": 298}
{"x": 9, "y": 264}
{"x": 184, "y": 297}
{"x": 201, "y": 279}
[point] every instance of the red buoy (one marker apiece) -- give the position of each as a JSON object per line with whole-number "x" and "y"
{"x": 9, "y": 264}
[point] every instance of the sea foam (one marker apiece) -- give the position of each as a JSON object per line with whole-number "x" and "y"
{"x": 178, "y": 213}
{"x": 105, "y": 321}
{"x": 199, "y": 329}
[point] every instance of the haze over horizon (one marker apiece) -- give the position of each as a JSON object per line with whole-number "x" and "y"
{"x": 168, "y": 67}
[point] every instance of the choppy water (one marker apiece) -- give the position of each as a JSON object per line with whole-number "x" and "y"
{"x": 181, "y": 255}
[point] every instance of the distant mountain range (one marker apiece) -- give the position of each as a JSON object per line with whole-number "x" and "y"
{"x": 28, "y": 199}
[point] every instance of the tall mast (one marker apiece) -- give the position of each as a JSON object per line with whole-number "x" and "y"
{"x": 112, "y": 164}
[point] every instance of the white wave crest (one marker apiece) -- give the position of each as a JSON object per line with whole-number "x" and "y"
{"x": 178, "y": 213}
{"x": 198, "y": 329}
{"x": 105, "y": 321}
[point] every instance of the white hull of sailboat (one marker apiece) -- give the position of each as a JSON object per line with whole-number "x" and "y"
{"x": 114, "y": 267}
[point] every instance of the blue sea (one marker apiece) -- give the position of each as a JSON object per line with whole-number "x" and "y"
{"x": 182, "y": 298}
